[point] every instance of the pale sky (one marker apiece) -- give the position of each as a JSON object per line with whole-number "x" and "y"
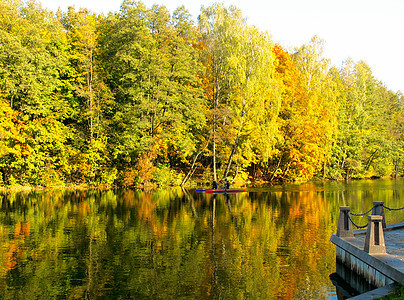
{"x": 368, "y": 30}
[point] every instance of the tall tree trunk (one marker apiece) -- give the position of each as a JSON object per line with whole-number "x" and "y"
{"x": 277, "y": 166}
{"x": 214, "y": 147}
{"x": 192, "y": 169}
{"x": 98, "y": 116}
{"x": 396, "y": 167}
{"x": 236, "y": 142}
{"x": 90, "y": 91}
{"x": 370, "y": 160}
{"x": 215, "y": 102}
{"x": 233, "y": 151}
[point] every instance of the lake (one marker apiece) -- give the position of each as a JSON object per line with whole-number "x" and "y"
{"x": 268, "y": 243}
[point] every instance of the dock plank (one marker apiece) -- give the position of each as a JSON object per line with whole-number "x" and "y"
{"x": 393, "y": 238}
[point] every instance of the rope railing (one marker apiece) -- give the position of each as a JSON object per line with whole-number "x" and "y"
{"x": 345, "y": 222}
{"x": 374, "y": 239}
{"x": 356, "y": 225}
{"x": 401, "y": 208}
{"x": 367, "y": 212}
{"x": 361, "y": 215}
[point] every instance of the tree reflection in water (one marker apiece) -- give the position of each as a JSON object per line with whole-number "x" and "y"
{"x": 270, "y": 243}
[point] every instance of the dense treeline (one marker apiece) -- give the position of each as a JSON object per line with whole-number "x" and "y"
{"x": 144, "y": 96}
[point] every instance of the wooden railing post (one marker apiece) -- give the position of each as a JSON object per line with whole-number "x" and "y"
{"x": 374, "y": 241}
{"x": 344, "y": 224}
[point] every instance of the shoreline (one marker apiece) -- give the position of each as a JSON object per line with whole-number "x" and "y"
{"x": 21, "y": 188}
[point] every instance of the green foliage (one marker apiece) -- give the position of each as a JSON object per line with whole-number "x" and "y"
{"x": 141, "y": 96}
{"x": 164, "y": 176}
{"x": 207, "y": 176}
{"x": 11, "y": 181}
{"x": 108, "y": 176}
{"x": 367, "y": 118}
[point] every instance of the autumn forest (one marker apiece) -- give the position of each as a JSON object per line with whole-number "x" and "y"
{"x": 148, "y": 97}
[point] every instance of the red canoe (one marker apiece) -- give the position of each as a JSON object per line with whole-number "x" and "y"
{"x": 224, "y": 191}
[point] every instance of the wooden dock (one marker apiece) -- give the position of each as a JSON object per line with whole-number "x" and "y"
{"x": 374, "y": 255}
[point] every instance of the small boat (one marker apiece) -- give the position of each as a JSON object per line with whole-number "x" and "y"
{"x": 219, "y": 191}
{"x": 224, "y": 191}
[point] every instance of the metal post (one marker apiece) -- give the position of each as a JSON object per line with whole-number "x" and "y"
{"x": 344, "y": 224}
{"x": 374, "y": 241}
{"x": 378, "y": 210}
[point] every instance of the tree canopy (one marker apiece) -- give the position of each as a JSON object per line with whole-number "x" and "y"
{"x": 144, "y": 96}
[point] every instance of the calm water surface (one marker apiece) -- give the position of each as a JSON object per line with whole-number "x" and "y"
{"x": 269, "y": 243}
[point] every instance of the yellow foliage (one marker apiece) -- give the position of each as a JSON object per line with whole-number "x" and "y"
{"x": 145, "y": 168}
{"x": 11, "y": 132}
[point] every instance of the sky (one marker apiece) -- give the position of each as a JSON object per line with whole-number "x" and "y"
{"x": 368, "y": 30}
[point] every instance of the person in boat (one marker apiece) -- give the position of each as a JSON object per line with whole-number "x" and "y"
{"x": 226, "y": 184}
{"x": 214, "y": 185}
